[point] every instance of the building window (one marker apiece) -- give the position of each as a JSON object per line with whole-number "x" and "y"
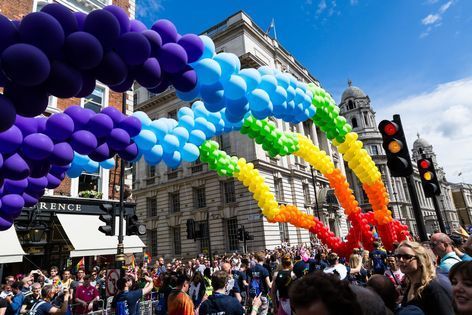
{"x": 89, "y": 182}
{"x": 205, "y": 239}
{"x": 279, "y": 189}
{"x": 172, "y": 114}
{"x": 232, "y": 234}
{"x": 307, "y": 129}
{"x": 197, "y": 166}
{"x": 174, "y": 202}
{"x": 151, "y": 175}
{"x": 199, "y": 197}
{"x": 135, "y": 99}
{"x": 152, "y": 242}
{"x": 224, "y": 142}
{"x": 351, "y": 105}
{"x": 306, "y": 194}
{"x": 172, "y": 173}
{"x": 151, "y": 207}
{"x": 175, "y": 231}
{"x": 354, "y": 122}
{"x": 366, "y": 120}
{"x": 96, "y": 100}
{"x": 283, "y": 228}
{"x": 375, "y": 150}
{"x": 229, "y": 191}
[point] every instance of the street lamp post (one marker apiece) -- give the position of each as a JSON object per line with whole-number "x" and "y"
{"x": 120, "y": 253}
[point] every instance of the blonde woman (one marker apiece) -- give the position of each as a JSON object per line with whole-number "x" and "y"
{"x": 357, "y": 273}
{"x": 423, "y": 290}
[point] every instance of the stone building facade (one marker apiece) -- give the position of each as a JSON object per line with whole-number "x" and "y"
{"x": 167, "y": 198}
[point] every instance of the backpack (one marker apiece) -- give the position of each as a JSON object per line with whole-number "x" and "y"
{"x": 255, "y": 286}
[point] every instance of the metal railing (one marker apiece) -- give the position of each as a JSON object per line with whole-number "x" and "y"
{"x": 146, "y": 307}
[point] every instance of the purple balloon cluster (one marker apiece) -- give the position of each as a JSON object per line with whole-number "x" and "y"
{"x": 61, "y": 53}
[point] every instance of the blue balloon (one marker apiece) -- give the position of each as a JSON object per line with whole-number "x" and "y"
{"x": 299, "y": 96}
{"x": 145, "y": 140}
{"x": 160, "y": 128}
{"x": 91, "y": 166}
{"x": 278, "y": 96}
{"x": 258, "y": 100}
{"x": 264, "y": 113}
{"x": 172, "y": 159}
{"x": 279, "y": 110}
{"x": 143, "y": 117}
{"x": 80, "y": 160}
{"x": 170, "y": 143}
{"x": 233, "y": 117}
{"x": 197, "y": 137}
{"x": 199, "y": 109}
{"x": 209, "y": 47}
{"x": 268, "y": 83}
{"x": 213, "y": 96}
{"x": 201, "y": 124}
{"x": 74, "y": 171}
{"x": 229, "y": 64}
{"x": 293, "y": 81}
{"x": 171, "y": 123}
{"x": 154, "y": 156}
{"x": 185, "y": 111}
{"x": 190, "y": 152}
{"x": 252, "y": 78}
{"x": 235, "y": 88}
{"x": 264, "y": 70}
{"x": 186, "y": 122}
{"x": 108, "y": 164}
{"x": 283, "y": 79}
{"x": 182, "y": 135}
{"x": 208, "y": 71}
{"x": 190, "y": 95}
{"x": 238, "y": 107}
{"x": 214, "y": 117}
{"x": 290, "y": 93}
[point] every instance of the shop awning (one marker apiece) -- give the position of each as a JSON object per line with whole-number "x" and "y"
{"x": 87, "y": 240}
{"x": 10, "y": 248}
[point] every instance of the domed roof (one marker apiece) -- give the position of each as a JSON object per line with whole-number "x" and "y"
{"x": 352, "y": 91}
{"x": 420, "y": 143}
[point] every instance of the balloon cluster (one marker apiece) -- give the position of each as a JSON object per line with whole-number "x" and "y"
{"x": 314, "y": 156}
{"x": 61, "y": 53}
{"x": 263, "y": 92}
{"x": 273, "y": 141}
{"x": 292, "y": 215}
{"x": 218, "y": 160}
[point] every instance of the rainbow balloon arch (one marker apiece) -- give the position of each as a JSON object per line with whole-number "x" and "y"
{"x": 57, "y": 52}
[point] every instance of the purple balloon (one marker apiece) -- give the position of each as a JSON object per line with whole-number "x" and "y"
{"x": 1, "y": 161}
{"x": 80, "y": 17}
{"x": 100, "y": 125}
{"x": 28, "y": 101}
{"x": 88, "y": 84}
{"x": 25, "y": 64}
{"x": 15, "y": 167}
{"x": 43, "y": 31}
{"x": 37, "y": 146}
{"x": 131, "y": 125}
{"x": 62, "y": 154}
{"x": 53, "y": 181}
{"x": 155, "y": 41}
{"x": 64, "y": 81}
{"x": 83, "y": 50}
{"x": 27, "y": 125}
{"x": 41, "y": 123}
{"x": 114, "y": 114}
{"x": 8, "y": 113}
{"x": 63, "y": 15}
{"x": 193, "y": 45}
{"x": 83, "y": 142}
{"x": 129, "y": 153}
{"x": 37, "y": 184}
{"x": 160, "y": 88}
{"x": 172, "y": 58}
{"x": 5, "y": 223}
{"x": 15, "y": 186}
{"x": 149, "y": 74}
{"x": 166, "y": 30}
{"x": 137, "y": 26}
{"x": 38, "y": 168}
{"x": 59, "y": 127}
{"x": 8, "y": 34}
{"x": 133, "y": 48}
{"x": 118, "y": 139}
{"x": 104, "y": 26}
{"x": 11, "y": 205}
{"x": 186, "y": 80}
{"x": 120, "y": 15}
{"x": 112, "y": 70}
{"x": 58, "y": 170}
{"x": 30, "y": 200}
{"x": 101, "y": 153}
{"x": 79, "y": 115}
{"x": 10, "y": 140}
{"x": 125, "y": 85}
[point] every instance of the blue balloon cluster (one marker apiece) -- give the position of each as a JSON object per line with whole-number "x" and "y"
{"x": 264, "y": 92}
{"x": 173, "y": 141}
{"x": 61, "y": 53}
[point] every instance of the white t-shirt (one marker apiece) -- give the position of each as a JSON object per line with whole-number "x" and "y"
{"x": 339, "y": 268}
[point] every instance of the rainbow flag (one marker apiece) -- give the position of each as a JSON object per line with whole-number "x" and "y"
{"x": 147, "y": 257}
{"x": 80, "y": 264}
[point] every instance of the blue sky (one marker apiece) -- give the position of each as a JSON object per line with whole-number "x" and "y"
{"x": 411, "y": 57}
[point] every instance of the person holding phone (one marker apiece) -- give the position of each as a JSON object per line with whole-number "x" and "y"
{"x": 44, "y": 306}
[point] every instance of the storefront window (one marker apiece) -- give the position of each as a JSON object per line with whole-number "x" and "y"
{"x": 90, "y": 185}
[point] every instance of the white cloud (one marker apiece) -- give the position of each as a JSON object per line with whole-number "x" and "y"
{"x": 445, "y": 6}
{"x": 434, "y": 19}
{"x": 444, "y": 118}
{"x": 321, "y": 7}
{"x": 430, "y": 19}
{"x": 148, "y": 9}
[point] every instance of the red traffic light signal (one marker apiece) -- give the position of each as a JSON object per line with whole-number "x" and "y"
{"x": 428, "y": 177}
{"x": 396, "y": 149}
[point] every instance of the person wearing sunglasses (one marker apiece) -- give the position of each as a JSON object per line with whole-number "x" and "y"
{"x": 423, "y": 290}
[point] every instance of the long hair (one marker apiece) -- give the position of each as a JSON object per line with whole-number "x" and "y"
{"x": 428, "y": 272}
{"x": 355, "y": 260}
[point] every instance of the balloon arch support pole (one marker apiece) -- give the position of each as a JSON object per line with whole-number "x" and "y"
{"x": 120, "y": 250}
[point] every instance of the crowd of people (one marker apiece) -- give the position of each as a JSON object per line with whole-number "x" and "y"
{"x": 433, "y": 277}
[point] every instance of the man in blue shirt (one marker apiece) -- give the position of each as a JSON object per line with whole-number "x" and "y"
{"x": 16, "y": 301}
{"x": 126, "y": 301}
{"x": 441, "y": 244}
{"x": 259, "y": 283}
{"x": 219, "y": 302}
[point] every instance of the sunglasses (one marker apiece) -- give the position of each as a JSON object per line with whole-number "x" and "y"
{"x": 405, "y": 257}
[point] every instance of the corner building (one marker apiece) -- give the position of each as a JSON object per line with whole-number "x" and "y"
{"x": 167, "y": 198}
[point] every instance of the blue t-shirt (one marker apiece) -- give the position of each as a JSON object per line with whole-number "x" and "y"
{"x": 127, "y": 303}
{"x": 41, "y": 308}
{"x": 221, "y": 304}
{"x": 378, "y": 260}
{"x": 259, "y": 274}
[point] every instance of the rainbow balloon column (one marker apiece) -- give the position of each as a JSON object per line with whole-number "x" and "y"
{"x": 57, "y": 52}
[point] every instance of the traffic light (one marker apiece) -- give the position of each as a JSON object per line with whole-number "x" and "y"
{"x": 241, "y": 234}
{"x": 248, "y": 237}
{"x": 133, "y": 226}
{"x": 394, "y": 143}
{"x": 190, "y": 229}
{"x": 108, "y": 219}
{"x": 429, "y": 179}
